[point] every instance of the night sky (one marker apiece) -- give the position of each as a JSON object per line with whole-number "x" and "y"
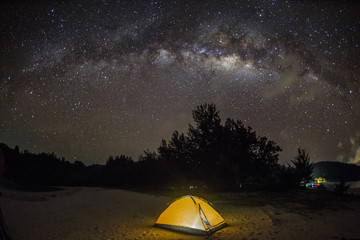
{"x": 90, "y": 79}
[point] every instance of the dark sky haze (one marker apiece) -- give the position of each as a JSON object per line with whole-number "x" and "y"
{"x": 90, "y": 79}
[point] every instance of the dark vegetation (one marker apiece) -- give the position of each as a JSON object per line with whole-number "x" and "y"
{"x": 337, "y": 171}
{"x": 210, "y": 155}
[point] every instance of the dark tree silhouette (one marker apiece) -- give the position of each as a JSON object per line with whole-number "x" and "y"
{"x": 119, "y": 171}
{"x": 237, "y": 145}
{"x": 220, "y": 156}
{"x": 205, "y": 139}
{"x": 151, "y": 171}
{"x": 302, "y": 166}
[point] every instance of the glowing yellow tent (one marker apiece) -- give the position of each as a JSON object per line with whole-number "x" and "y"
{"x": 192, "y": 215}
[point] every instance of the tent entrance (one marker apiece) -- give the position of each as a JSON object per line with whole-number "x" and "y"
{"x": 204, "y": 220}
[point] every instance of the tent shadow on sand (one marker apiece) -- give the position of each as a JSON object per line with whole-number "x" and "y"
{"x": 191, "y": 214}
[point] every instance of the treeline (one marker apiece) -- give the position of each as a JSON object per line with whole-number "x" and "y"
{"x": 210, "y": 154}
{"x": 337, "y": 171}
{"x": 46, "y": 169}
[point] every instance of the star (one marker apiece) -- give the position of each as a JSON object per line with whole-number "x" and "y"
{"x": 94, "y": 79}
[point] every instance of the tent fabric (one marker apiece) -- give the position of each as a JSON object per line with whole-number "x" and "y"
{"x": 191, "y": 214}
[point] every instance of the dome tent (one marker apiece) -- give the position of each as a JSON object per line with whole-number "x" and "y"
{"x": 191, "y": 214}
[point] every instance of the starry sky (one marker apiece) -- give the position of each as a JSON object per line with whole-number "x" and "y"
{"x": 88, "y": 79}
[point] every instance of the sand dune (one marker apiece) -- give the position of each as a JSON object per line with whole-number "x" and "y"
{"x": 98, "y": 213}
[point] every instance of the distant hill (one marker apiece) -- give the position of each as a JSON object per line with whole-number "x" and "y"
{"x": 336, "y": 171}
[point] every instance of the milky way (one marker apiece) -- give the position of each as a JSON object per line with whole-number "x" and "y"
{"x": 90, "y": 79}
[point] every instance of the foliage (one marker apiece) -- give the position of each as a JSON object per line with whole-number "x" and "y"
{"x": 27, "y": 168}
{"x": 220, "y": 156}
{"x": 210, "y": 154}
{"x": 302, "y": 166}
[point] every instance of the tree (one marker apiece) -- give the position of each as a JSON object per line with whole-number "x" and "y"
{"x": 150, "y": 171}
{"x": 221, "y": 156}
{"x": 176, "y": 152}
{"x": 205, "y": 141}
{"x": 119, "y": 171}
{"x": 302, "y": 167}
{"x": 237, "y": 141}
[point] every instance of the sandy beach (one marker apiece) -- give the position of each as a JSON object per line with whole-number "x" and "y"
{"x": 111, "y": 214}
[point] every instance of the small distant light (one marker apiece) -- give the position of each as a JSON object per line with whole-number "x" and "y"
{"x": 350, "y": 91}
